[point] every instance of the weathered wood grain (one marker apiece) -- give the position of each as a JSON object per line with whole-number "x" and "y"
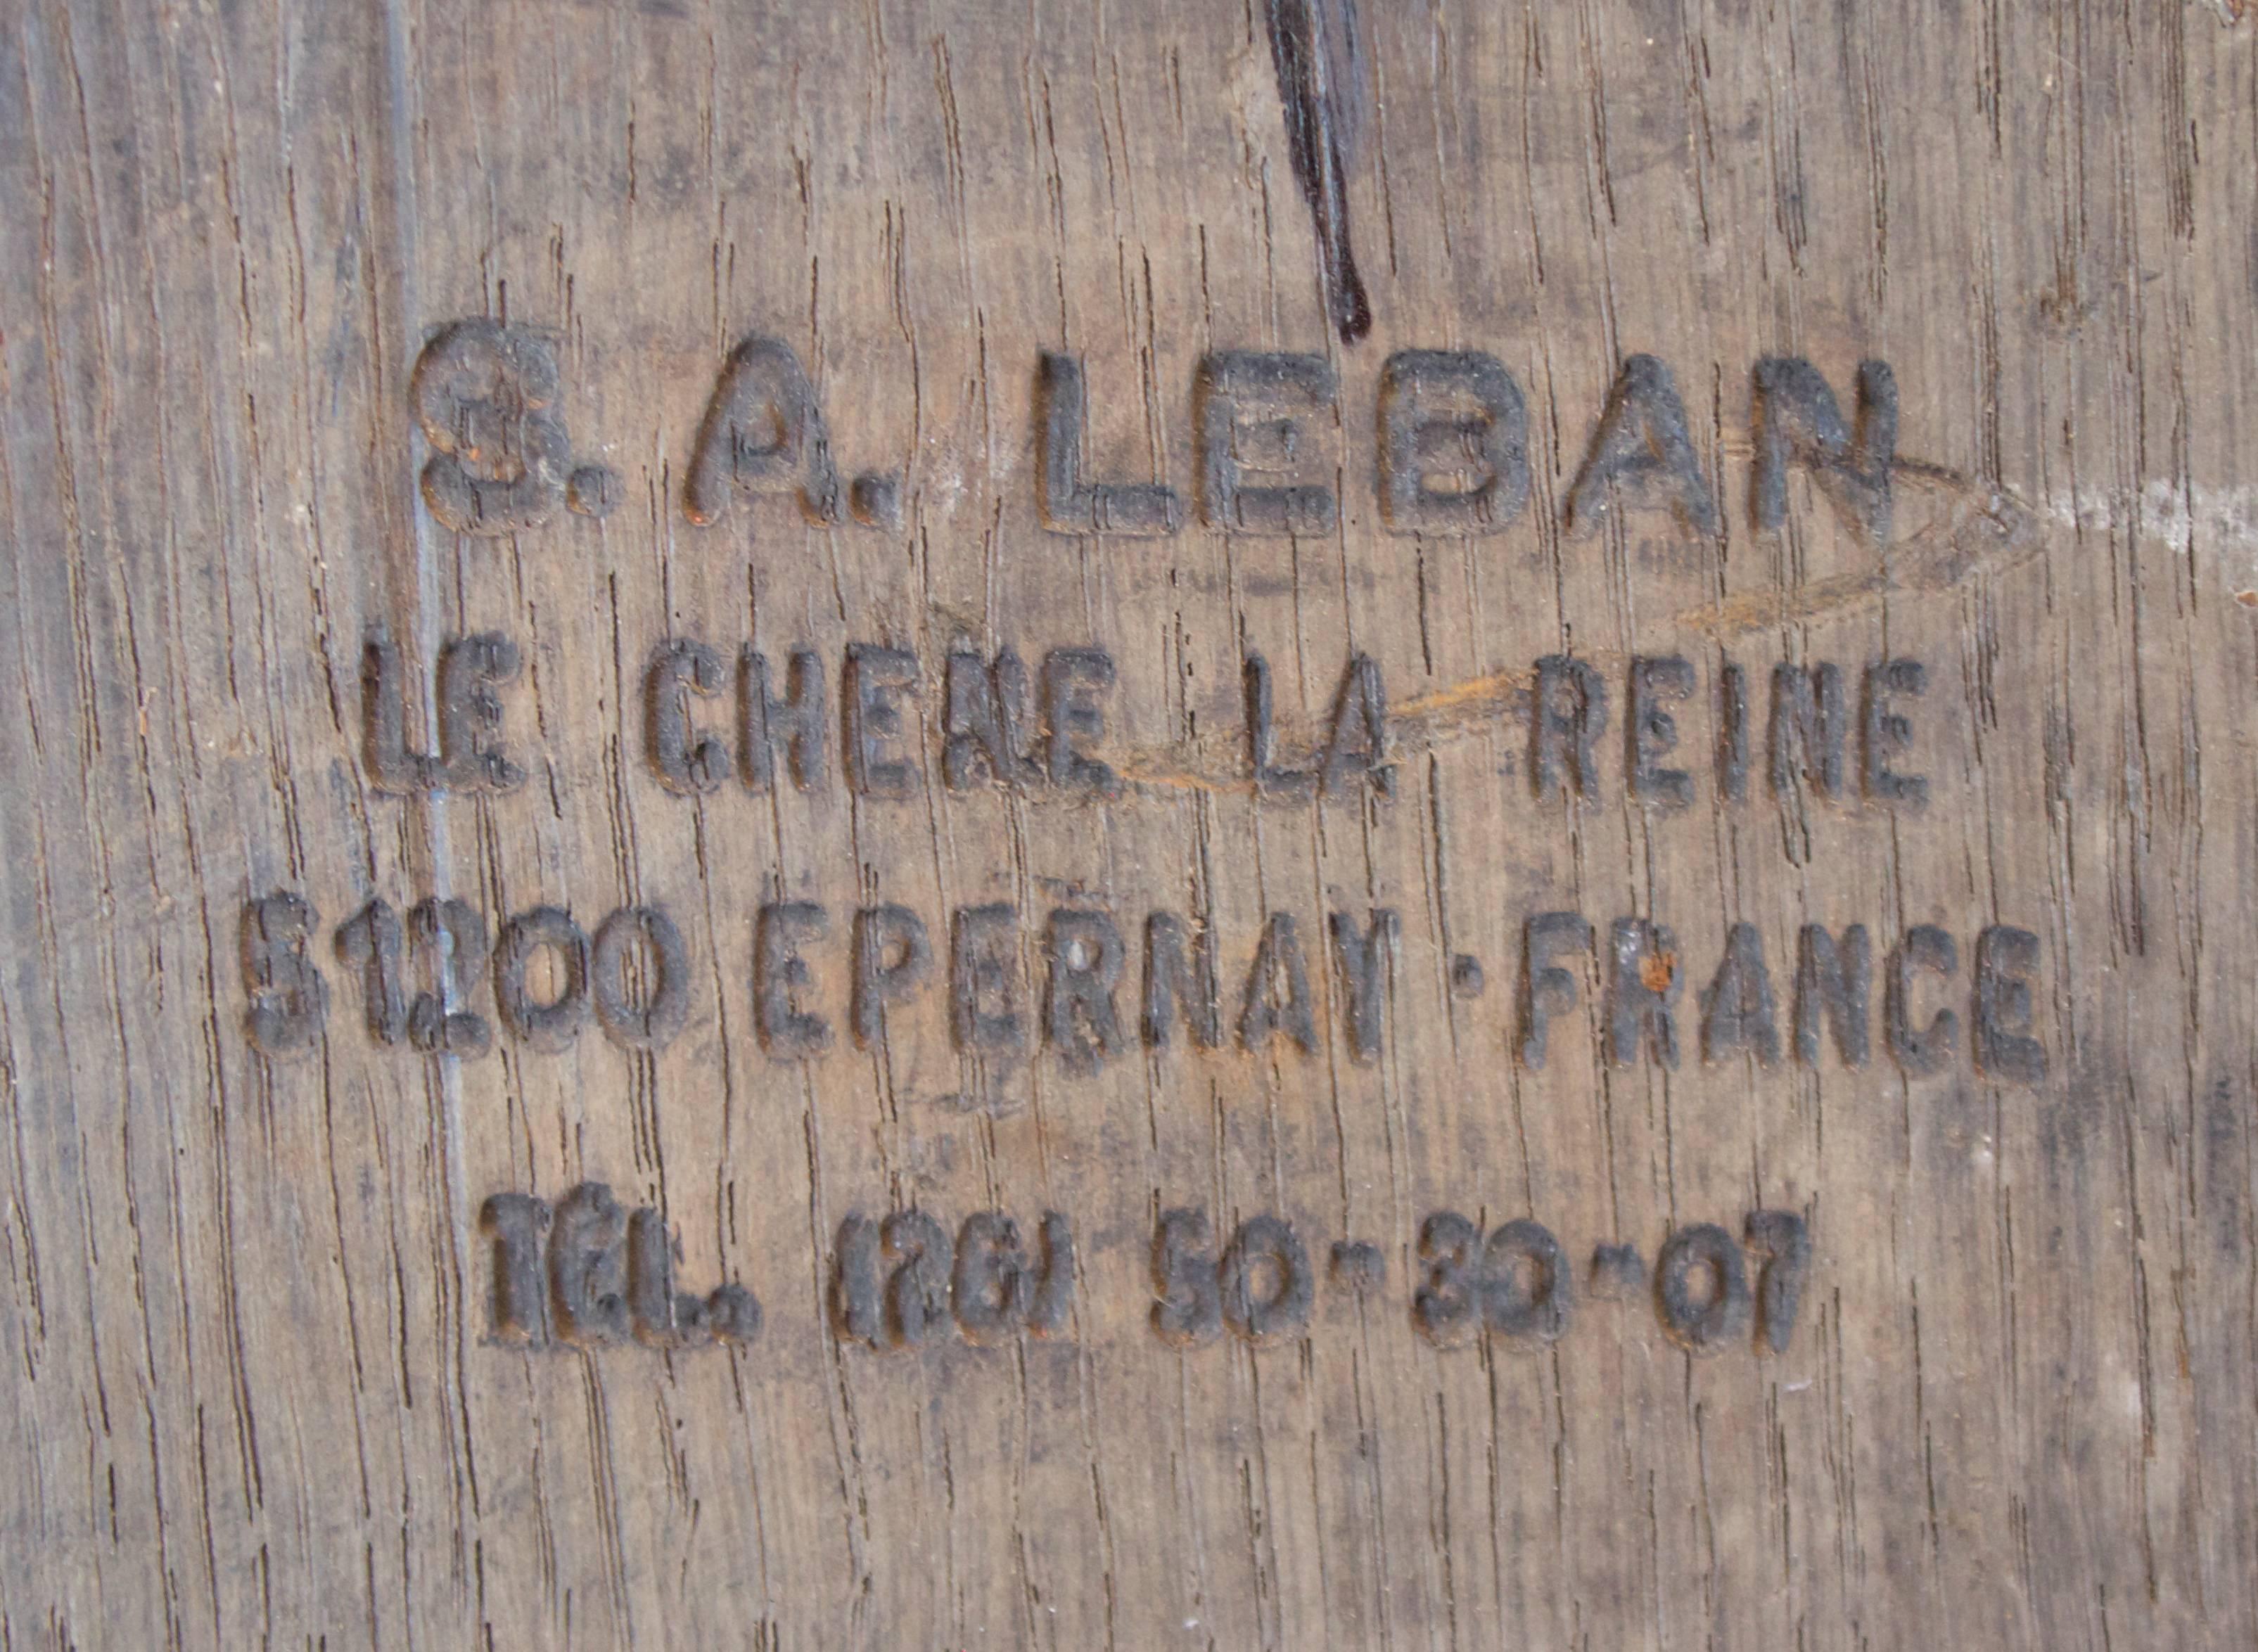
{"x": 258, "y": 1391}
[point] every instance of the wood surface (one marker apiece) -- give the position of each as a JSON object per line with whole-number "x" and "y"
{"x": 267, "y": 1382}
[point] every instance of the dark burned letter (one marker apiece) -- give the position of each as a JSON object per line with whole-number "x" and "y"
{"x": 1053, "y": 1302}
{"x": 1262, "y": 738}
{"x": 857, "y": 1310}
{"x": 1357, "y": 751}
{"x": 1733, "y": 732}
{"x": 1179, "y": 975}
{"x": 1255, "y": 414}
{"x": 1546, "y": 989}
{"x": 1447, "y": 1304}
{"x": 470, "y": 757}
{"x": 763, "y": 434}
{"x": 666, "y": 1318}
{"x": 877, "y": 678}
{"x": 891, "y": 957}
{"x": 1833, "y": 982}
{"x": 990, "y": 1287}
{"x": 1188, "y": 1310}
{"x": 1073, "y": 679}
{"x": 644, "y": 938}
{"x": 732, "y": 1312}
{"x": 687, "y": 764}
{"x": 2005, "y": 960}
{"x": 797, "y": 722}
{"x": 1364, "y": 957}
{"x": 1809, "y": 723}
{"x": 454, "y": 936}
{"x": 861, "y": 1307}
{"x": 372, "y": 945}
{"x": 550, "y": 1026}
{"x": 1781, "y": 1238}
{"x": 289, "y": 1000}
{"x": 997, "y": 1293}
{"x": 486, "y": 395}
{"x": 1071, "y": 504}
{"x": 650, "y": 1282}
{"x": 1264, "y": 1281}
{"x": 1798, "y": 422}
{"x": 983, "y": 980}
{"x": 1654, "y": 731}
{"x": 917, "y": 1291}
{"x": 1453, "y": 443}
{"x": 1921, "y": 1053}
{"x": 518, "y": 1224}
{"x": 985, "y": 722}
{"x": 1528, "y": 1289}
{"x": 1569, "y": 712}
{"x": 1736, "y": 1007}
{"x": 1888, "y": 735}
{"x": 393, "y": 764}
{"x": 1086, "y": 960}
{"x": 1641, "y": 454}
{"x": 1642, "y": 984}
{"x": 1278, "y": 970}
{"x": 587, "y": 1266}
{"x": 781, "y": 977}
{"x": 1703, "y": 1323}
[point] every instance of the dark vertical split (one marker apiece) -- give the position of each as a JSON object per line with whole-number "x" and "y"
{"x": 1319, "y": 57}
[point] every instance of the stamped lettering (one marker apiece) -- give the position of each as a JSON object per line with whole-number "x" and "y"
{"x": 902, "y": 1281}
{"x": 1453, "y": 443}
{"x": 1078, "y": 986}
{"x": 588, "y": 1274}
{"x": 1260, "y": 417}
{"x": 485, "y": 396}
{"x": 1447, "y": 439}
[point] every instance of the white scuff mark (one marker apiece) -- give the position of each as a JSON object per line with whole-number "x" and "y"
{"x": 2216, "y": 525}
